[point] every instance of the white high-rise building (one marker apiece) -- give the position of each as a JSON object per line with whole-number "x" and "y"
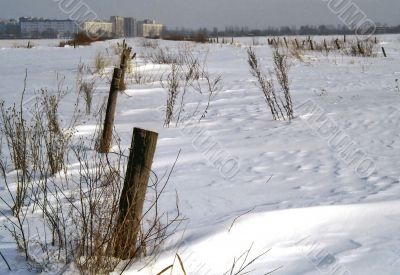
{"x": 130, "y": 27}
{"x": 97, "y": 28}
{"x": 149, "y": 28}
{"x": 117, "y": 26}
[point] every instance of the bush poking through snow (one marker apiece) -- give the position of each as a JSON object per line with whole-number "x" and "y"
{"x": 164, "y": 56}
{"x": 87, "y": 90}
{"x": 42, "y": 144}
{"x": 189, "y": 76}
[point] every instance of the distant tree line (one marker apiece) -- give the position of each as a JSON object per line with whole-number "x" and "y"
{"x": 273, "y": 31}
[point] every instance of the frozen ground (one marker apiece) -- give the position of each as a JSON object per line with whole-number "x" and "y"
{"x": 293, "y": 193}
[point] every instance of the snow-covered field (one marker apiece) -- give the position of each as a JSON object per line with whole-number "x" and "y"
{"x": 292, "y": 188}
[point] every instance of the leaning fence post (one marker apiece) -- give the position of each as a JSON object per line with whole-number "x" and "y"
{"x": 141, "y": 155}
{"x": 337, "y": 44}
{"x": 297, "y": 43}
{"x": 106, "y": 137}
{"x": 384, "y": 52}
{"x": 311, "y": 45}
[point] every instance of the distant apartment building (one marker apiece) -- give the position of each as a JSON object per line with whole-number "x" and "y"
{"x": 130, "y": 27}
{"x": 39, "y": 27}
{"x": 149, "y": 28}
{"x": 9, "y": 28}
{"x": 117, "y": 26}
{"x": 97, "y": 27}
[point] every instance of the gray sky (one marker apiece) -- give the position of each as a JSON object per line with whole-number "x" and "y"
{"x": 209, "y": 13}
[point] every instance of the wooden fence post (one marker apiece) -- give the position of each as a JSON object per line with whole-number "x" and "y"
{"x": 337, "y": 44}
{"x": 360, "y": 48}
{"x": 297, "y": 43}
{"x": 384, "y": 52}
{"x": 106, "y": 138}
{"x": 125, "y": 57}
{"x": 133, "y": 194}
{"x": 311, "y": 45}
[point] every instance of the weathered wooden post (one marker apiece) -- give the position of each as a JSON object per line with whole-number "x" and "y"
{"x": 286, "y": 43}
{"x": 106, "y": 137}
{"x": 325, "y": 46}
{"x": 384, "y": 52}
{"x": 337, "y": 43}
{"x": 311, "y": 45}
{"x": 360, "y": 48}
{"x": 133, "y": 194}
{"x": 125, "y": 57}
{"x": 297, "y": 43}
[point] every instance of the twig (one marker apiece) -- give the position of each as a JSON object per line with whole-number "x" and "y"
{"x": 247, "y": 212}
{"x": 274, "y": 270}
{"x": 1, "y": 254}
{"x": 269, "y": 178}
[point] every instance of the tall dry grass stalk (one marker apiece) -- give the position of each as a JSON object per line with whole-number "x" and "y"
{"x": 280, "y": 108}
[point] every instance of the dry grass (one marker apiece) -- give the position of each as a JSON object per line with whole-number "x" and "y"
{"x": 100, "y": 63}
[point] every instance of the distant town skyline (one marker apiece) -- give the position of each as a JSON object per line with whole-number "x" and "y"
{"x": 212, "y": 13}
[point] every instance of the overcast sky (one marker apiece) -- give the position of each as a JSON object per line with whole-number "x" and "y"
{"x": 209, "y": 13}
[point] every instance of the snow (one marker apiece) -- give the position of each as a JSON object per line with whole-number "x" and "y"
{"x": 293, "y": 192}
